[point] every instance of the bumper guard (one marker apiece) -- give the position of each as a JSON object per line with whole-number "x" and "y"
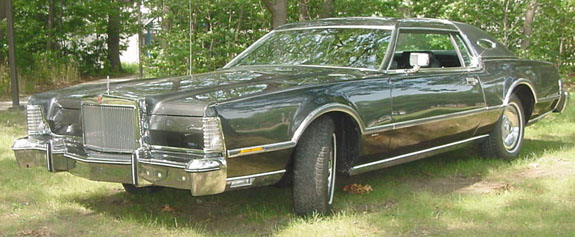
{"x": 201, "y": 174}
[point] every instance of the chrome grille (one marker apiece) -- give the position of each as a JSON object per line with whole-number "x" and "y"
{"x": 110, "y": 128}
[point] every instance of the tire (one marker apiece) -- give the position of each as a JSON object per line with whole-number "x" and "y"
{"x": 314, "y": 168}
{"x": 131, "y": 189}
{"x": 510, "y": 125}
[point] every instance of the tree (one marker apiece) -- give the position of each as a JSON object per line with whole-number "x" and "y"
{"x": 303, "y": 14}
{"x": 327, "y": 9}
{"x": 166, "y": 21}
{"x": 527, "y": 25}
{"x": 50, "y": 25}
{"x": 113, "y": 41}
{"x": 2, "y": 17}
{"x": 278, "y": 10}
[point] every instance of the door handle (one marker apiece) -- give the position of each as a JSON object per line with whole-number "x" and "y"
{"x": 472, "y": 81}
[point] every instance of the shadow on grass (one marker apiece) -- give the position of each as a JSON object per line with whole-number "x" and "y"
{"x": 265, "y": 210}
{"x": 258, "y": 210}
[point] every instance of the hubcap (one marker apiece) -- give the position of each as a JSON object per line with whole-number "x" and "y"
{"x": 331, "y": 170}
{"x": 511, "y": 122}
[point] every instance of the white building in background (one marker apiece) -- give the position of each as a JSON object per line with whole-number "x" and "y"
{"x": 131, "y": 55}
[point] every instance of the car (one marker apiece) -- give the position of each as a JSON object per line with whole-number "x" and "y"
{"x": 305, "y": 103}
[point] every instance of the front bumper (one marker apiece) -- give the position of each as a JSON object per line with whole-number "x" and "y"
{"x": 182, "y": 169}
{"x": 562, "y": 103}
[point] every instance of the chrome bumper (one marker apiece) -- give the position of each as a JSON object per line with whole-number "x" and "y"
{"x": 145, "y": 166}
{"x": 562, "y": 103}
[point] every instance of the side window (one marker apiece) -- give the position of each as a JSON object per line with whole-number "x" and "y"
{"x": 439, "y": 46}
{"x": 465, "y": 55}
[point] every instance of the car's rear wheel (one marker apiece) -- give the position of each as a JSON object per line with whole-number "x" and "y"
{"x": 506, "y": 139}
{"x": 314, "y": 168}
{"x": 131, "y": 189}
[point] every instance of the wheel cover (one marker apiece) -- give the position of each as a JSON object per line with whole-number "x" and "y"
{"x": 511, "y": 123}
{"x": 331, "y": 170}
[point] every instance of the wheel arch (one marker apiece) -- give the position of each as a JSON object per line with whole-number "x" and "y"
{"x": 327, "y": 109}
{"x": 525, "y": 90}
{"x": 349, "y": 129}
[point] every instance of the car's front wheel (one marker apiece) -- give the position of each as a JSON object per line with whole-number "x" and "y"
{"x": 314, "y": 168}
{"x": 506, "y": 138}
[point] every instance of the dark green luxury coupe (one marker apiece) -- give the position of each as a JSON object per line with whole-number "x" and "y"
{"x": 305, "y": 103}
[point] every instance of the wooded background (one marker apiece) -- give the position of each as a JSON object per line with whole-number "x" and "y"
{"x": 61, "y": 41}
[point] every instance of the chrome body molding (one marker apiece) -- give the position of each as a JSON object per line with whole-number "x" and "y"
{"x": 422, "y": 153}
{"x": 520, "y": 81}
{"x": 429, "y": 29}
{"x": 416, "y": 122}
{"x": 176, "y": 149}
{"x": 375, "y": 27}
{"x": 548, "y": 98}
{"x": 253, "y": 180}
{"x": 562, "y": 103}
{"x": 97, "y": 160}
{"x": 264, "y": 148}
{"x": 533, "y": 120}
{"x": 559, "y": 106}
{"x": 364, "y": 131}
{"x": 256, "y": 175}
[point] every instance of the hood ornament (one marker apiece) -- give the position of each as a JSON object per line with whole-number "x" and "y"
{"x": 108, "y": 85}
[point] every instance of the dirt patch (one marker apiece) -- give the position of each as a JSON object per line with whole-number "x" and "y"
{"x": 559, "y": 168}
{"x": 444, "y": 185}
{"x": 462, "y": 185}
{"x": 486, "y": 187}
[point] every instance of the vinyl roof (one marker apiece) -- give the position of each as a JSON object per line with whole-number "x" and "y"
{"x": 372, "y": 21}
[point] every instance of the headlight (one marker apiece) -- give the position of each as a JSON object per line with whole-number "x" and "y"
{"x": 35, "y": 120}
{"x": 213, "y": 136}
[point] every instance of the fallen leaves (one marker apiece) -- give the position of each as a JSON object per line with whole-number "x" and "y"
{"x": 357, "y": 188}
{"x": 42, "y": 232}
{"x": 504, "y": 188}
{"x": 168, "y": 208}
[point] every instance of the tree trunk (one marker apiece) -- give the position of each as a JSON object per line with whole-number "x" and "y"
{"x": 2, "y": 29}
{"x": 326, "y": 9}
{"x": 140, "y": 40}
{"x": 166, "y": 24}
{"x": 239, "y": 25}
{"x": 3, "y": 10}
{"x": 528, "y": 25}
{"x": 50, "y": 25}
{"x": 506, "y": 24}
{"x": 278, "y": 10}
{"x": 303, "y": 15}
{"x": 113, "y": 41}
{"x": 14, "y": 87}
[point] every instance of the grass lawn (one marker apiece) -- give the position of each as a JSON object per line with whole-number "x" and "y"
{"x": 456, "y": 193}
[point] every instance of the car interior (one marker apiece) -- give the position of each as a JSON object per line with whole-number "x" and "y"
{"x": 437, "y": 58}
{"x": 440, "y": 47}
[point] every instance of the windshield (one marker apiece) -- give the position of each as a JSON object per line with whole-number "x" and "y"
{"x": 340, "y": 47}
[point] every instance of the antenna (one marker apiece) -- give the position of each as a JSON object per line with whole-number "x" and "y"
{"x": 191, "y": 61}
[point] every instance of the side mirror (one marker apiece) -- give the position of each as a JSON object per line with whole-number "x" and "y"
{"x": 419, "y": 60}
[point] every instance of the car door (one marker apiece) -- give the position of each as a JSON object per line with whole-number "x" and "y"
{"x": 438, "y": 104}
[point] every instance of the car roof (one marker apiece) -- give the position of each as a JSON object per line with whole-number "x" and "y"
{"x": 471, "y": 33}
{"x": 374, "y": 21}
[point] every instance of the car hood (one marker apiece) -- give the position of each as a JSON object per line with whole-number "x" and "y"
{"x": 189, "y": 95}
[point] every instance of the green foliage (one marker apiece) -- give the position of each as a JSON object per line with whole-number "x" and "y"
{"x": 221, "y": 29}
{"x": 75, "y": 44}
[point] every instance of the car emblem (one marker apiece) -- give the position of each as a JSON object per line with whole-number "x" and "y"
{"x": 99, "y": 98}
